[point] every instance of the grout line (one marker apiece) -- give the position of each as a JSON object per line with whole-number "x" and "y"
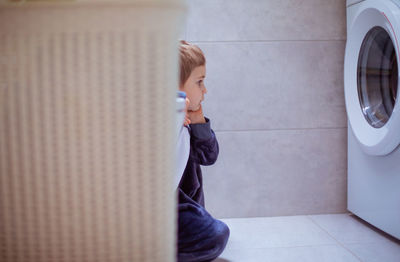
{"x": 316, "y": 245}
{"x": 265, "y": 41}
{"x": 341, "y": 244}
{"x": 279, "y": 129}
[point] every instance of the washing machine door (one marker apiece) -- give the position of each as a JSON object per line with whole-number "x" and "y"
{"x": 371, "y": 76}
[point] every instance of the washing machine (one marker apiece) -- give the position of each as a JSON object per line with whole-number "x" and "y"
{"x": 371, "y": 83}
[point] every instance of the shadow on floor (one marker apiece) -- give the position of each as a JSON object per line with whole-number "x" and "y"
{"x": 221, "y": 260}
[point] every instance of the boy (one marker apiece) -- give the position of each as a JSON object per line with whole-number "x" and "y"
{"x": 200, "y": 236}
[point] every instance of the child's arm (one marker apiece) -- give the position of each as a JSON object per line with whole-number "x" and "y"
{"x": 203, "y": 143}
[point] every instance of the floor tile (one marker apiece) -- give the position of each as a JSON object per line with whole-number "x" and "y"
{"x": 319, "y": 238}
{"x": 347, "y": 229}
{"x": 328, "y": 253}
{"x": 388, "y": 251}
{"x": 267, "y": 232}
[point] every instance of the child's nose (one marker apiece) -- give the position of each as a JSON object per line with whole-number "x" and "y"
{"x": 205, "y": 90}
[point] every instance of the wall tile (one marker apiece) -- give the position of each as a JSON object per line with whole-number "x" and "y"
{"x": 275, "y": 98}
{"x": 275, "y": 85}
{"x": 281, "y": 172}
{"x": 236, "y": 20}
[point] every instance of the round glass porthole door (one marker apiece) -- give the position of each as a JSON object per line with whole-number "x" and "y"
{"x": 377, "y": 77}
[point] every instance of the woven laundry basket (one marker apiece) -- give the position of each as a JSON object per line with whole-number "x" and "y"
{"x": 87, "y": 108}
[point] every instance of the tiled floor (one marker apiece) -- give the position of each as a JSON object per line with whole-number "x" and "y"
{"x": 316, "y": 238}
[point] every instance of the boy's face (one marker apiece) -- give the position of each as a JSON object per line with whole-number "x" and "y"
{"x": 194, "y": 88}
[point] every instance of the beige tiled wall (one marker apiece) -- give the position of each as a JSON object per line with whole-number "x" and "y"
{"x": 275, "y": 99}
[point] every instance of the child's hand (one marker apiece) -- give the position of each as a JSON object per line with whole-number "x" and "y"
{"x": 197, "y": 117}
{"x": 187, "y": 120}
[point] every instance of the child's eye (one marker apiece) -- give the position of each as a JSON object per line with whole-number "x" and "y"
{"x": 199, "y": 82}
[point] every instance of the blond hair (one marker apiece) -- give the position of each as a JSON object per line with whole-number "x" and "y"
{"x": 190, "y": 57}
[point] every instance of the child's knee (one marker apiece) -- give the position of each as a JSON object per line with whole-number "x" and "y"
{"x": 221, "y": 237}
